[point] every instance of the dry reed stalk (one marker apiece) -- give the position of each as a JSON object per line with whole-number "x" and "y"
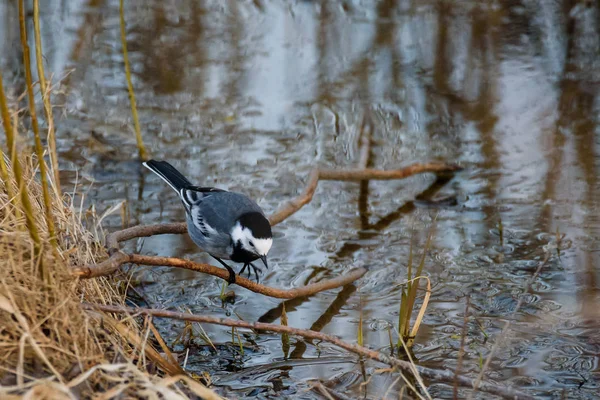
{"x": 136, "y": 122}
{"x": 5, "y": 177}
{"x": 170, "y": 357}
{"x": 18, "y": 174}
{"x": 45, "y": 92}
{"x": 140, "y": 342}
{"x": 39, "y": 149}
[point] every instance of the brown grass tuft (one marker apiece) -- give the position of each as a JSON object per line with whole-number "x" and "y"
{"x": 49, "y": 346}
{"x": 44, "y": 331}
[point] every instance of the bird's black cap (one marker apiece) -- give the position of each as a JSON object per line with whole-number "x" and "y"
{"x": 257, "y": 223}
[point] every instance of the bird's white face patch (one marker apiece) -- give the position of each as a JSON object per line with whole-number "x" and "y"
{"x": 262, "y": 246}
{"x": 249, "y": 243}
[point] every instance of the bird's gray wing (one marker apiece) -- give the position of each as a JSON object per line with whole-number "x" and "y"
{"x": 213, "y": 215}
{"x": 197, "y": 203}
{"x": 221, "y": 210}
{"x": 193, "y": 195}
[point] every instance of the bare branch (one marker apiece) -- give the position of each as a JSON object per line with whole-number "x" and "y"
{"x": 355, "y": 175}
{"x": 294, "y": 205}
{"x": 119, "y": 258}
{"x": 433, "y": 374}
{"x": 113, "y": 239}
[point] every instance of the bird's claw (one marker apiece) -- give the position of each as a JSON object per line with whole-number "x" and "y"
{"x": 255, "y": 269}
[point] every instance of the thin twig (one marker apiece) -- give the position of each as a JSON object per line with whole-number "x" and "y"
{"x": 329, "y": 393}
{"x": 502, "y": 335}
{"x": 461, "y": 351}
{"x": 433, "y": 374}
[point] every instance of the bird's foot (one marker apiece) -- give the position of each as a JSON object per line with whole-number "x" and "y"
{"x": 254, "y": 269}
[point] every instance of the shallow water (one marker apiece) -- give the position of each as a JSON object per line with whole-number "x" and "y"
{"x": 250, "y": 96}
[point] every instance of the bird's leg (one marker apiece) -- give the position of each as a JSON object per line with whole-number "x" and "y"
{"x": 251, "y": 268}
{"x": 255, "y": 269}
{"x": 231, "y": 279}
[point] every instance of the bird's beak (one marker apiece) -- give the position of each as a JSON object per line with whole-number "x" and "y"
{"x": 264, "y": 260}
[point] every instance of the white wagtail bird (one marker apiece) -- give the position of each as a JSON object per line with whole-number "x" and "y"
{"x": 226, "y": 225}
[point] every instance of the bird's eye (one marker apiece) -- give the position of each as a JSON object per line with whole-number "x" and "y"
{"x": 251, "y": 244}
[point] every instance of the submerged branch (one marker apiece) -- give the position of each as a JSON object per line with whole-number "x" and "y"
{"x": 354, "y": 175}
{"x": 405, "y": 366}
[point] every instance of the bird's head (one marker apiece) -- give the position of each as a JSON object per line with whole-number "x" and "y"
{"x": 252, "y": 234}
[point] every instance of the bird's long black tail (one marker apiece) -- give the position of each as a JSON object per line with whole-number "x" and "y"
{"x": 168, "y": 173}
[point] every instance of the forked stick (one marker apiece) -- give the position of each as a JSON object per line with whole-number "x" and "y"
{"x": 354, "y": 175}
{"x": 118, "y": 257}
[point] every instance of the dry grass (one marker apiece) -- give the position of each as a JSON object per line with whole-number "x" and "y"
{"x": 49, "y": 346}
